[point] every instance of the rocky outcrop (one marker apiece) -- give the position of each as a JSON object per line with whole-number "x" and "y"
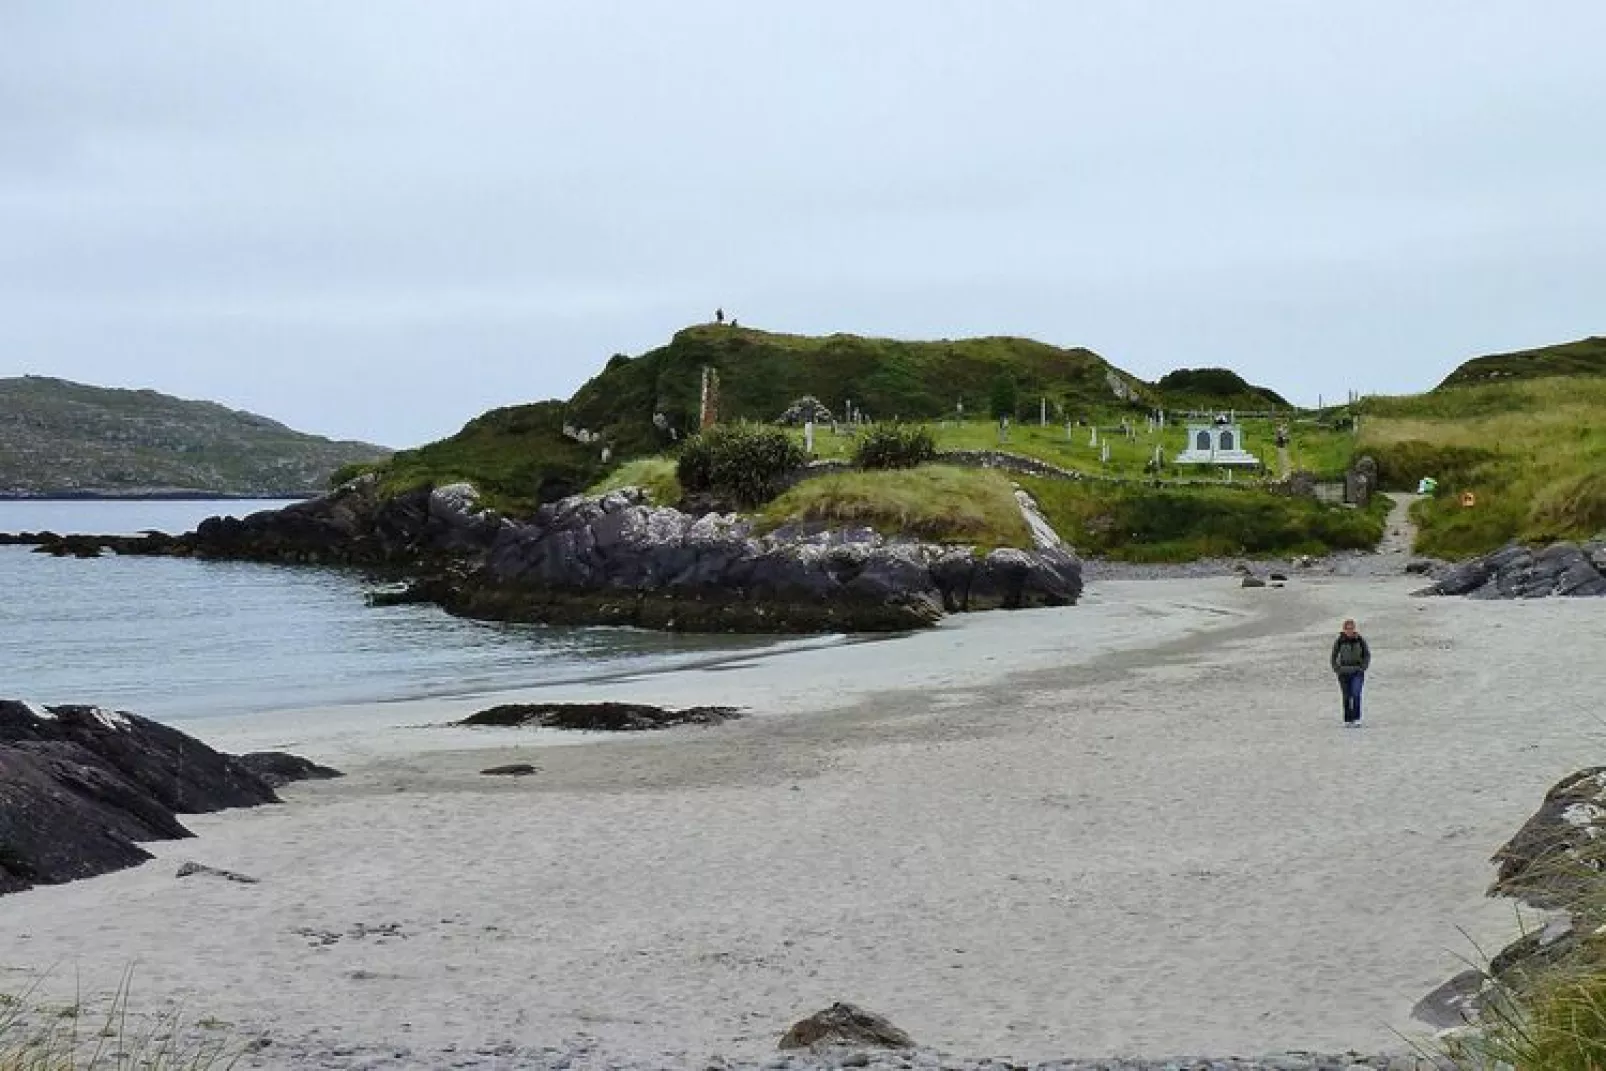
{"x": 1557, "y": 863}
{"x": 618, "y": 560}
{"x": 80, "y": 787}
{"x": 603, "y": 717}
{"x": 845, "y": 1025}
{"x": 278, "y": 768}
{"x": 1519, "y": 572}
{"x": 1558, "y": 853}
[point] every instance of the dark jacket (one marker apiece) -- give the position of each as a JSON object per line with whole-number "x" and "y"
{"x": 1350, "y": 655}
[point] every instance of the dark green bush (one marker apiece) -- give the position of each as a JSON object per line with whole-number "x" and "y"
{"x": 895, "y": 446}
{"x": 746, "y": 463}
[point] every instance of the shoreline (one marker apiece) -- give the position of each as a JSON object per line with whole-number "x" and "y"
{"x": 1132, "y": 826}
{"x": 770, "y": 682}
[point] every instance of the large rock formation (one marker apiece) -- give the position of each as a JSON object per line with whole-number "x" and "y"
{"x": 1556, "y": 862}
{"x": 81, "y": 786}
{"x": 618, "y": 560}
{"x": 1518, "y": 572}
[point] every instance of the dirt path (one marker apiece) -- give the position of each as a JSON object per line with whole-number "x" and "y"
{"x": 1399, "y": 531}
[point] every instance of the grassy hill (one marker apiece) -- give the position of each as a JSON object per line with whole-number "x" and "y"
{"x": 1532, "y": 451}
{"x": 641, "y": 406}
{"x": 1586, "y": 357}
{"x": 1524, "y": 442}
{"x": 761, "y": 373}
{"x": 60, "y": 437}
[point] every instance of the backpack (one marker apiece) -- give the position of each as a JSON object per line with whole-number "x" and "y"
{"x": 1351, "y": 653}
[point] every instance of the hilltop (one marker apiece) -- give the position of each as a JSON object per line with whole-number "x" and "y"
{"x": 644, "y": 405}
{"x": 63, "y": 438}
{"x": 1585, "y": 357}
{"x": 761, "y": 373}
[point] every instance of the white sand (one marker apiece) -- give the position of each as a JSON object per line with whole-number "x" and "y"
{"x": 1134, "y": 826}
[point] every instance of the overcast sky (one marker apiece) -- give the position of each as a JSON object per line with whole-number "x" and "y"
{"x": 375, "y": 220}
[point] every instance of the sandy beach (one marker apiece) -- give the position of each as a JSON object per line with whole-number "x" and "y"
{"x": 1135, "y": 826}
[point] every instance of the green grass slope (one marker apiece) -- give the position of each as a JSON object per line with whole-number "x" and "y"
{"x": 1531, "y": 451}
{"x": 60, "y": 437}
{"x": 518, "y": 457}
{"x": 1586, "y": 357}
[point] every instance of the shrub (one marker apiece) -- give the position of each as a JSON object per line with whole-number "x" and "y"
{"x": 895, "y": 446}
{"x": 1003, "y": 397}
{"x": 746, "y": 463}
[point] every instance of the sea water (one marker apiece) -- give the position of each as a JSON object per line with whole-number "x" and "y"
{"x": 181, "y": 639}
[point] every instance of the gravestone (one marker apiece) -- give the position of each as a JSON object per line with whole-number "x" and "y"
{"x": 1360, "y": 481}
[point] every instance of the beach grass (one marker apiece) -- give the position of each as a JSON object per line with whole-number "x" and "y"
{"x": 35, "y": 1036}
{"x": 940, "y": 503}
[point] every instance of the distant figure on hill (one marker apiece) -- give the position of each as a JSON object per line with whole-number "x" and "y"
{"x": 719, "y": 315}
{"x": 1351, "y": 658}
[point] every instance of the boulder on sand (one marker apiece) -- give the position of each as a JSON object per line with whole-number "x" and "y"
{"x": 845, "y": 1025}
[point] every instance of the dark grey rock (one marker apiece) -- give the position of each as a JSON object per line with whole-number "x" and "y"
{"x": 1518, "y": 572}
{"x": 279, "y": 768}
{"x": 618, "y": 560}
{"x": 1253, "y": 582}
{"x": 80, "y": 787}
{"x": 512, "y": 769}
{"x": 603, "y": 717}
{"x": 191, "y": 868}
{"x": 845, "y": 1025}
{"x": 1555, "y": 856}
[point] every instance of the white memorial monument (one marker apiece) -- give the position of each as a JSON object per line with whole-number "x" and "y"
{"x": 1216, "y": 444}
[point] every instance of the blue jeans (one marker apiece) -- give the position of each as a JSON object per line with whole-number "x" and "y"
{"x": 1351, "y": 685}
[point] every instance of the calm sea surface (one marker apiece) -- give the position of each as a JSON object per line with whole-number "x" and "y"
{"x": 180, "y": 639}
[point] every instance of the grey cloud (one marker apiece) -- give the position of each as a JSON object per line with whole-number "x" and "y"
{"x": 376, "y": 219}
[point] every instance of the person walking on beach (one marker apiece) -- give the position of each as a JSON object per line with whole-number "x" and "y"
{"x": 1351, "y": 658}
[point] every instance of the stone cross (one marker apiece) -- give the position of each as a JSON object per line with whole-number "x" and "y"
{"x": 1042, "y": 413}
{"x": 1104, "y": 452}
{"x": 1093, "y": 439}
{"x": 808, "y": 436}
